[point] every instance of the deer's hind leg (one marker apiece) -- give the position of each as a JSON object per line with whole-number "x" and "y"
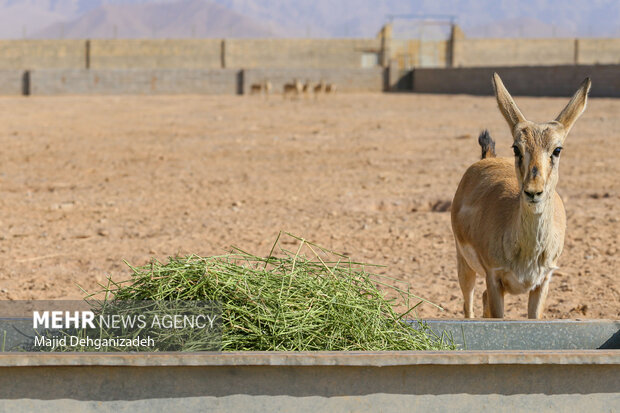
{"x": 467, "y": 281}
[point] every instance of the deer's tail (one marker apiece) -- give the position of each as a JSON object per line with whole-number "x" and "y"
{"x": 487, "y": 144}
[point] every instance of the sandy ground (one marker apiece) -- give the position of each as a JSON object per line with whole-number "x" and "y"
{"x": 87, "y": 182}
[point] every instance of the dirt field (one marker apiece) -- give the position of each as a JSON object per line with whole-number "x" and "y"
{"x": 87, "y": 182}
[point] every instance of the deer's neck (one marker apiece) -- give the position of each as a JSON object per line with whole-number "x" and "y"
{"x": 532, "y": 232}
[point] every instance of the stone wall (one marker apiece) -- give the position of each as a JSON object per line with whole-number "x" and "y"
{"x": 302, "y": 53}
{"x": 156, "y": 54}
{"x": 133, "y": 81}
{"x": 42, "y": 54}
{"x": 13, "y": 82}
{"x": 513, "y": 52}
{"x": 530, "y": 81}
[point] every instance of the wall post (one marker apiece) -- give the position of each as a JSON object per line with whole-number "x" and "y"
{"x": 576, "y": 57}
{"x": 87, "y": 54}
{"x": 223, "y": 54}
{"x": 26, "y": 83}
{"x": 386, "y": 38}
{"x": 456, "y": 35}
{"x": 240, "y": 81}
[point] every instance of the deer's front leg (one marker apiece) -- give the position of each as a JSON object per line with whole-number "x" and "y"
{"x": 493, "y": 297}
{"x": 536, "y": 301}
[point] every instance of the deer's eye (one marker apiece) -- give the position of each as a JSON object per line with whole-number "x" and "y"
{"x": 556, "y": 151}
{"x": 515, "y": 148}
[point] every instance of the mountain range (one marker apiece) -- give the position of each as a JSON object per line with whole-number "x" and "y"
{"x": 305, "y": 18}
{"x": 182, "y": 19}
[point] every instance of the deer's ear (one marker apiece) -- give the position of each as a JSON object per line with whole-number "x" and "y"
{"x": 576, "y": 106}
{"x": 506, "y": 104}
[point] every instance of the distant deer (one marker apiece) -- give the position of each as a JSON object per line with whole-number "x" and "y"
{"x": 319, "y": 87}
{"x": 257, "y": 88}
{"x": 330, "y": 88}
{"x": 307, "y": 87}
{"x": 294, "y": 88}
{"x": 510, "y": 227}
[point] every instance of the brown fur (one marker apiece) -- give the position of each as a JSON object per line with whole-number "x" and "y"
{"x": 257, "y": 88}
{"x": 320, "y": 87}
{"x": 294, "y": 88}
{"x": 508, "y": 220}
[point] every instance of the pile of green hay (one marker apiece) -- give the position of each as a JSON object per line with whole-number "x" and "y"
{"x": 288, "y": 302}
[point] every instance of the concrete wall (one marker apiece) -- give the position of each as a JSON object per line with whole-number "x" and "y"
{"x": 598, "y": 51}
{"x": 299, "y": 53}
{"x": 42, "y": 54}
{"x": 531, "y": 81}
{"x": 513, "y": 52}
{"x": 156, "y": 54}
{"x": 196, "y": 65}
{"x": 207, "y": 81}
{"x": 189, "y": 53}
{"x": 12, "y": 82}
{"x": 346, "y": 80}
{"x": 527, "y": 80}
{"x": 133, "y": 81}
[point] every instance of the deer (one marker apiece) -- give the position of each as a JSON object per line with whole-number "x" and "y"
{"x": 258, "y": 88}
{"x": 330, "y": 88}
{"x": 307, "y": 87}
{"x": 507, "y": 218}
{"x": 294, "y": 88}
{"x": 319, "y": 87}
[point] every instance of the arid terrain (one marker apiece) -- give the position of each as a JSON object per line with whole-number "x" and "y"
{"x": 87, "y": 182}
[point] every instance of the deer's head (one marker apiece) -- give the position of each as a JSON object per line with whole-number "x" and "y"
{"x": 537, "y": 146}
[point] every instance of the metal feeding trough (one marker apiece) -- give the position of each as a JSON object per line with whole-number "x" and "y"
{"x": 509, "y": 366}
{"x": 530, "y": 335}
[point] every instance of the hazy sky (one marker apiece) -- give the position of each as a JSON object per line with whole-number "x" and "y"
{"x": 354, "y": 18}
